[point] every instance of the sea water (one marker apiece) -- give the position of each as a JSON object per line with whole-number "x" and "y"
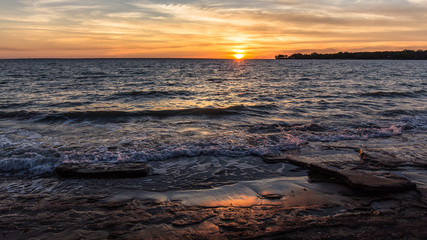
{"x": 205, "y": 113}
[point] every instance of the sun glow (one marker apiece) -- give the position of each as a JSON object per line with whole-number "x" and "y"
{"x": 239, "y": 56}
{"x": 238, "y": 53}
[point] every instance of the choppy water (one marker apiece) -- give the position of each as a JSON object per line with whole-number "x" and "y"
{"x": 54, "y": 111}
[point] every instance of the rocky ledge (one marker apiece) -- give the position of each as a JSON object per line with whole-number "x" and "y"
{"x": 345, "y": 166}
{"x": 366, "y": 180}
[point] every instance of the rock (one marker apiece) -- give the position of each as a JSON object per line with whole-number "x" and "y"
{"x": 102, "y": 170}
{"x": 370, "y": 181}
{"x": 364, "y": 180}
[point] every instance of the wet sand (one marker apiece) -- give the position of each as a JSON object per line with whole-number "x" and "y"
{"x": 298, "y": 203}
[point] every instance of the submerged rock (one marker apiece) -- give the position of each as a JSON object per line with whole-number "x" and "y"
{"x": 102, "y": 170}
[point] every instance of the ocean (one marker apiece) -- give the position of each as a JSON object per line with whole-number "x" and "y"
{"x": 197, "y": 118}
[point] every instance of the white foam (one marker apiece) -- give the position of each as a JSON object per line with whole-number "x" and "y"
{"x": 36, "y": 166}
{"x": 355, "y": 134}
{"x": 230, "y": 144}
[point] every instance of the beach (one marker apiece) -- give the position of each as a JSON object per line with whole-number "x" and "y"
{"x": 251, "y": 149}
{"x": 301, "y": 205}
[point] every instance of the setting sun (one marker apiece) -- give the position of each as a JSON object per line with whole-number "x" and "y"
{"x": 239, "y": 56}
{"x": 238, "y": 53}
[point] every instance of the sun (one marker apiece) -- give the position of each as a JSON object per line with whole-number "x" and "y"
{"x": 239, "y": 55}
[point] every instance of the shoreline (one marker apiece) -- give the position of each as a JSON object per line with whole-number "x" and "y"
{"x": 296, "y": 204}
{"x": 348, "y": 215}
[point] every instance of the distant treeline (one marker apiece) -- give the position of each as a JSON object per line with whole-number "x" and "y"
{"x": 396, "y": 55}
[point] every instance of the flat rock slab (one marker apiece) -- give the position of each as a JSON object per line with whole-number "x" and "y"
{"x": 349, "y": 171}
{"x": 365, "y": 180}
{"x": 102, "y": 170}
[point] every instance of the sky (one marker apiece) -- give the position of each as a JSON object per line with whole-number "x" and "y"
{"x": 207, "y": 28}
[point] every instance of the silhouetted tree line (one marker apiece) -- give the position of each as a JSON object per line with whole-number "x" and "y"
{"x": 395, "y": 55}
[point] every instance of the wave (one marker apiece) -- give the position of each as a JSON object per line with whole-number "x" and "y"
{"x": 402, "y": 112}
{"x": 282, "y": 127}
{"x": 111, "y": 115}
{"x": 152, "y": 94}
{"x": 391, "y": 94}
{"x": 15, "y": 105}
{"x": 215, "y": 80}
{"x": 18, "y": 157}
{"x": 355, "y": 134}
{"x": 41, "y": 161}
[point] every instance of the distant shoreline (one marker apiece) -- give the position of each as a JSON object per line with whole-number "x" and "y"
{"x": 378, "y": 55}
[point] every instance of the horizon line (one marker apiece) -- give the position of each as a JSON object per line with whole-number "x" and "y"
{"x": 82, "y": 58}
{"x": 186, "y": 58}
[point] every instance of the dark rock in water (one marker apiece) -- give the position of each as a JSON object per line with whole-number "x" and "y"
{"x": 370, "y": 181}
{"x": 364, "y": 180}
{"x": 102, "y": 170}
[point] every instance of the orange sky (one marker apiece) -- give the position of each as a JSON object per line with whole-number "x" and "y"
{"x": 207, "y": 29}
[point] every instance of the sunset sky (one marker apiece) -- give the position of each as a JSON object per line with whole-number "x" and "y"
{"x": 207, "y": 28}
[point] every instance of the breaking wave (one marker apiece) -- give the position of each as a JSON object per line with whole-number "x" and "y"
{"x": 111, "y": 115}
{"x": 37, "y": 160}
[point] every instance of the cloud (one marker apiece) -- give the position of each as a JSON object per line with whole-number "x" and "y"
{"x": 212, "y": 27}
